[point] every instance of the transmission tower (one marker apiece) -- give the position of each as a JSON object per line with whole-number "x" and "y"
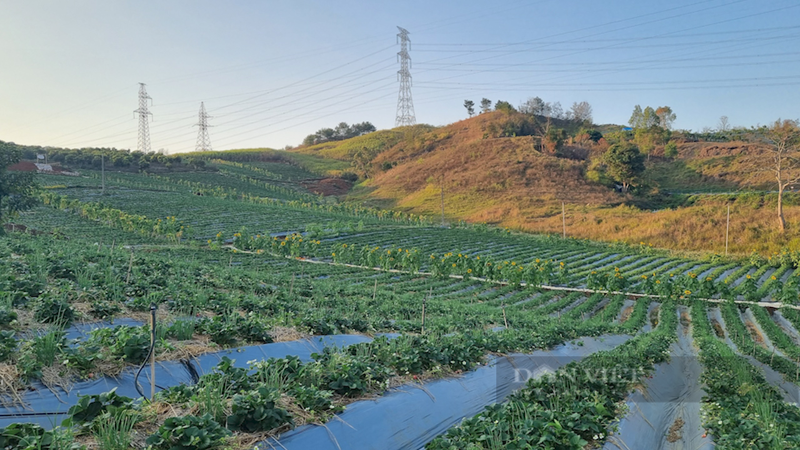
{"x": 144, "y": 117}
{"x": 405, "y": 106}
{"x": 203, "y": 141}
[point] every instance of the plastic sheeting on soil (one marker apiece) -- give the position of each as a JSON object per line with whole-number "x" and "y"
{"x": 625, "y": 306}
{"x": 749, "y": 319}
{"x": 651, "y": 311}
{"x": 48, "y": 407}
{"x": 665, "y": 413}
{"x": 787, "y": 326}
{"x": 411, "y": 416}
{"x": 789, "y": 390}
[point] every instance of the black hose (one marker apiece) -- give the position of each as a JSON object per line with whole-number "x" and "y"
{"x": 150, "y": 352}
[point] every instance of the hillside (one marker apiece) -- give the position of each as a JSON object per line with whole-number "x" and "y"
{"x": 496, "y": 168}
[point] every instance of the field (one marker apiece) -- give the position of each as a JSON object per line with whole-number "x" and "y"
{"x": 284, "y": 319}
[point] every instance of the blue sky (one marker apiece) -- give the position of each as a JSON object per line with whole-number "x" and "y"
{"x": 272, "y": 72}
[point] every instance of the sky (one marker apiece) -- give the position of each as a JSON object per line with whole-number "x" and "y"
{"x": 270, "y": 72}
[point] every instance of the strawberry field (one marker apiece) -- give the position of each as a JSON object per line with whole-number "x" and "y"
{"x": 285, "y": 320}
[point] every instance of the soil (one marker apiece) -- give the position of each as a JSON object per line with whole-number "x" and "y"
{"x": 327, "y": 186}
{"x": 755, "y": 334}
{"x": 626, "y": 314}
{"x": 674, "y": 433}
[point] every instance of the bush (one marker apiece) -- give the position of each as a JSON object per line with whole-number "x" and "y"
{"x": 349, "y": 176}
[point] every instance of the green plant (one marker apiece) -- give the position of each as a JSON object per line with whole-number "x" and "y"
{"x": 55, "y": 311}
{"x": 8, "y": 345}
{"x": 314, "y": 399}
{"x": 182, "y": 330}
{"x": 188, "y": 433}
{"x": 256, "y": 411}
{"x": 113, "y": 430}
{"x": 102, "y": 309}
{"x": 180, "y": 394}
{"x": 90, "y": 407}
{"x": 7, "y": 316}
{"x": 28, "y": 436}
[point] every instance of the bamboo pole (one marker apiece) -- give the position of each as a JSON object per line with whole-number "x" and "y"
{"x": 153, "y": 353}
{"x": 727, "y": 229}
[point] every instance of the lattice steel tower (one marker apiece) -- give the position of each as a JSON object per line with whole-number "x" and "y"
{"x": 405, "y": 106}
{"x": 144, "y": 117}
{"x": 203, "y": 141}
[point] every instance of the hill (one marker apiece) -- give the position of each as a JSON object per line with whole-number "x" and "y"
{"x": 509, "y": 170}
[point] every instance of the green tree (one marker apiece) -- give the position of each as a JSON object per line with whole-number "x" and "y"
{"x": 643, "y": 118}
{"x": 470, "y": 105}
{"x": 17, "y": 189}
{"x": 486, "y": 105}
{"x": 671, "y": 150}
{"x": 504, "y": 106}
{"x": 624, "y": 164}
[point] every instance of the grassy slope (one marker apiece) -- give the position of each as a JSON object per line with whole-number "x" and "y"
{"x": 507, "y": 182}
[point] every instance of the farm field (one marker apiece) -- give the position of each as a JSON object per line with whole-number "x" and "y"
{"x": 286, "y": 320}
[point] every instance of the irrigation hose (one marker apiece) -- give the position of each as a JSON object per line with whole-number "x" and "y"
{"x": 150, "y": 352}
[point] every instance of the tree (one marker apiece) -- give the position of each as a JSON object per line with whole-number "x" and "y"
{"x": 581, "y": 112}
{"x": 782, "y": 159}
{"x": 646, "y": 118}
{"x": 723, "y": 125}
{"x": 486, "y": 105}
{"x": 341, "y": 132}
{"x": 504, "y": 106}
{"x": 470, "y": 105}
{"x": 17, "y": 189}
{"x": 534, "y": 106}
{"x": 665, "y": 117}
{"x": 671, "y": 150}
{"x": 624, "y": 164}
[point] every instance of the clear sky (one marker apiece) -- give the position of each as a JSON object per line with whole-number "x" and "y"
{"x": 272, "y": 72}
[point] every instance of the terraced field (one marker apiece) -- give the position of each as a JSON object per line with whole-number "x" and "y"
{"x": 370, "y": 329}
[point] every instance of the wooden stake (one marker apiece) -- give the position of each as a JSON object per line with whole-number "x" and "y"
{"x": 153, "y": 354}
{"x": 563, "y": 221}
{"x": 130, "y": 267}
{"x": 727, "y": 229}
{"x": 375, "y": 290}
{"x": 442, "y": 186}
{"x": 113, "y": 242}
{"x": 504, "y": 315}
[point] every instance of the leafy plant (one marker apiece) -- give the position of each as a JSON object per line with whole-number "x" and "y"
{"x": 188, "y": 433}
{"x": 256, "y": 411}
{"x": 29, "y": 436}
{"x": 55, "y": 311}
{"x": 102, "y": 309}
{"x": 8, "y": 345}
{"x": 90, "y": 407}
